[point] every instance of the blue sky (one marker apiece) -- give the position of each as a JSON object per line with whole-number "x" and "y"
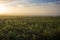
{"x": 29, "y": 2}
{"x": 33, "y": 1}
{"x": 41, "y": 1}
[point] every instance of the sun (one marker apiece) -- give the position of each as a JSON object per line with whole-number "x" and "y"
{"x": 3, "y": 8}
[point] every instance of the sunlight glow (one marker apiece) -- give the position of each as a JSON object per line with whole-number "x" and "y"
{"x": 3, "y": 9}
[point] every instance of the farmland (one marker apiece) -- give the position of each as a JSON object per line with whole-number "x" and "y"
{"x": 29, "y": 28}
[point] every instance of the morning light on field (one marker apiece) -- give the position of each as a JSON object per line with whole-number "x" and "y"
{"x": 29, "y": 19}
{"x": 30, "y": 7}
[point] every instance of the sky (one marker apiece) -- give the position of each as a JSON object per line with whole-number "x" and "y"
{"x": 32, "y": 7}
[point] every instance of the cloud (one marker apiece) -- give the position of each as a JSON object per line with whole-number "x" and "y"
{"x": 34, "y": 7}
{"x": 33, "y": 2}
{"x": 5, "y": 1}
{"x": 47, "y": 9}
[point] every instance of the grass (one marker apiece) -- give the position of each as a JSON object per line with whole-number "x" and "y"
{"x": 29, "y": 28}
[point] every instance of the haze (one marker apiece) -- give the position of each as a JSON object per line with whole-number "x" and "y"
{"x": 30, "y": 7}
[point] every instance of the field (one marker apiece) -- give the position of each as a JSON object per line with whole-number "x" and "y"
{"x": 29, "y": 28}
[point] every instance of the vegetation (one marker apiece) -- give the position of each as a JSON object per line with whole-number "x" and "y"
{"x": 29, "y": 28}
